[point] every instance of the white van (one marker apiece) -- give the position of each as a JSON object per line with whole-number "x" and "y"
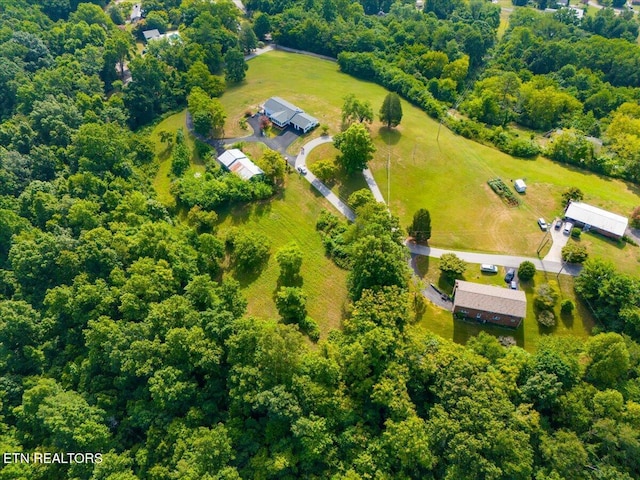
{"x": 488, "y": 268}
{"x": 567, "y": 228}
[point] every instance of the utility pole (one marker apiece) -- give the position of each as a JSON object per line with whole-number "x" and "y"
{"x": 541, "y": 246}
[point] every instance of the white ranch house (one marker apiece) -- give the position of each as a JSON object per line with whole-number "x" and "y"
{"x": 283, "y": 114}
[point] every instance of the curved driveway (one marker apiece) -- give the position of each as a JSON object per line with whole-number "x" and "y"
{"x": 301, "y": 163}
{"x": 552, "y": 263}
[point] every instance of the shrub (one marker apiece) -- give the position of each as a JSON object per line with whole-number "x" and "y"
{"x": 546, "y": 297}
{"x": 522, "y": 148}
{"x": 309, "y": 326}
{"x": 567, "y": 306}
{"x": 572, "y": 194}
{"x": 526, "y": 271}
{"x": 546, "y": 318}
{"x": 635, "y": 218}
{"x": 451, "y": 266}
{"x": 576, "y": 232}
{"x": 574, "y": 253}
{"x": 324, "y": 129}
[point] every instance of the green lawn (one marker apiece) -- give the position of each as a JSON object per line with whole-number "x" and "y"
{"x": 440, "y": 321}
{"x": 343, "y": 185}
{"x": 162, "y": 180}
{"x": 625, "y": 256}
{"x": 445, "y": 173}
{"x": 292, "y": 217}
{"x": 288, "y": 217}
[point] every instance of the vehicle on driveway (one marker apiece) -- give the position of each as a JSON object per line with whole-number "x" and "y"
{"x": 558, "y": 224}
{"x": 567, "y": 228}
{"x": 302, "y": 170}
{"x": 542, "y": 224}
{"x": 488, "y": 268}
{"x": 514, "y": 285}
{"x": 511, "y": 273}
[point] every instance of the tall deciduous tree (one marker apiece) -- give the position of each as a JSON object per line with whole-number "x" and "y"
{"x": 356, "y": 110}
{"x": 235, "y": 67}
{"x": 273, "y": 166}
{"x": 391, "y": 110}
{"x": 356, "y": 146}
{"x": 420, "y": 228}
{"x": 289, "y": 258}
{"x": 452, "y": 266}
{"x": 207, "y": 113}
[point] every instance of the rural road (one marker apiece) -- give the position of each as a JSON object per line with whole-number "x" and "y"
{"x": 551, "y": 263}
{"x": 510, "y": 261}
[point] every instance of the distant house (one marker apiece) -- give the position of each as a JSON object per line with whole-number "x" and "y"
{"x": 237, "y": 162}
{"x": 136, "y": 13}
{"x": 488, "y": 303}
{"x": 151, "y": 34}
{"x": 520, "y": 186}
{"x": 597, "y": 220}
{"x": 579, "y": 12}
{"x": 284, "y": 114}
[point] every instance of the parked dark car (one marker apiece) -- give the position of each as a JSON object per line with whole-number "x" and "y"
{"x": 510, "y": 274}
{"x": 558, "y": 224}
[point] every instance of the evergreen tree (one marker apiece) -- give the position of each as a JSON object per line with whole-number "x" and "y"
{"x": 391, "y": 110}
{"x": 420, "y": 229}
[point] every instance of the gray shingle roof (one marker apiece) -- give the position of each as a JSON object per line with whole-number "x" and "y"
{"x": 489, "y": 298}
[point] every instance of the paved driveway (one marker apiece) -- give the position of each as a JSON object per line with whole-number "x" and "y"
{"x": 559, "y": 241}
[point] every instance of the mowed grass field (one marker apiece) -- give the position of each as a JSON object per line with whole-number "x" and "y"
{"x": 441, "y": 171}
{"x": 287, "y": 218}
{"x": 290, "y": 216}
{"x": 162, "y": 180}
{"x": 437, "y": 320}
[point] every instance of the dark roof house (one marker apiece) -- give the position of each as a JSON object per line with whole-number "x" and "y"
{"x": 488, "y": 303}
{"x": 283, "y": 114}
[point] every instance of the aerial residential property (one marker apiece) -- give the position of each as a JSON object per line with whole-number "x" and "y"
{"x": 284, "y": 114}
{"x": 237, "y": 162}
{"x": 596, "y": 219}
{"x": 489, "y": 304}
{"x": 294, "y": 241}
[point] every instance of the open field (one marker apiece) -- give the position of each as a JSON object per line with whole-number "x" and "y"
{"x": 448, "y": 176}
{"x": 445, "y": 173}
{"x": 626, "y": 257}
{"x": 292, "y": 217}
{"x": 162, "y": 180}
{"x": 440, "y": 321}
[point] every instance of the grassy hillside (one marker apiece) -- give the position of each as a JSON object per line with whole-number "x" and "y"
{"x": 444, "y": 173}
{"x": 292, "y": 217}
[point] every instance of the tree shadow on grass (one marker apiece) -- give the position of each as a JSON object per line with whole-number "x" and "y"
{"x": 567, "y": 320}
{"x": 419, "y": 264}
{"x": 351, "y": 183}
{"x": 446, "y": 283}
{"x": 390, "y": 136}
{"x": 247, "y": 277}
{"x": 464, "y": 329}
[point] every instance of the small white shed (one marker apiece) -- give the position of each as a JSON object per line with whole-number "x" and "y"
{"x": 520, "y": 186}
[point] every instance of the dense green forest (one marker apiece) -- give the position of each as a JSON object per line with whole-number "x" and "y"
{"x": 123, "y": 330}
